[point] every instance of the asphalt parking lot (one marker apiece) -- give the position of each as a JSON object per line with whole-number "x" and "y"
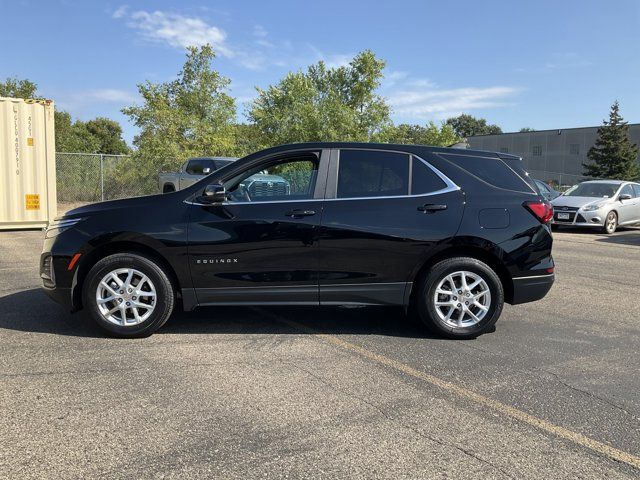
{"x": 329, "y": 393}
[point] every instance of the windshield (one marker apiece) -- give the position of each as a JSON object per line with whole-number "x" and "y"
{"x": 595, "y": 190}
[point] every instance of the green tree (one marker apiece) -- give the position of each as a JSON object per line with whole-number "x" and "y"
{"x": 73, "y": 136}
{"x": 108, "y": 133}
{"x": 527, "y": 129}
{"x": 191, "y": 115}
{"x": 613, "y": 155}
{"x": 429, "y": 134}
{"x": 18, "y": 88}
{"x": 323, "y": 104}
{"x": 248, "y": 139}
{"x": 467, "y": 126}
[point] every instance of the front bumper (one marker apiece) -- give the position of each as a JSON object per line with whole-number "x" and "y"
{"x": 580, "y": 218}
{"x": 530, "y": 289}
{"x": 60, "y": 295}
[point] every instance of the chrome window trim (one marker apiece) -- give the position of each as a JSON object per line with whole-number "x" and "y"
{"x": 450, "y": 186}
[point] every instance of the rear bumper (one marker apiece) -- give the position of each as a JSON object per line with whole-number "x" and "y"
{"x": 530, "y": 289}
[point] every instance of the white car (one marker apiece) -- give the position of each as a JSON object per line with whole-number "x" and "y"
{"x": 604, "y": 204}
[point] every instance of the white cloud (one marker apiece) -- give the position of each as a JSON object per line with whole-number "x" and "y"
{"x": 176, "y": 30}
{"x": 260, "y": 31}
{"x": 423, "y": 100}
{"x": 81, "y": 99}
{"x": 120, "y": 11}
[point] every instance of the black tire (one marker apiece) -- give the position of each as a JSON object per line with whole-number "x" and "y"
{"x": 162, "y": 305}
{"x": 554, "y": 227}
{"x": 168, "y": 188}
{"x": 610, "y": 223}
{"x": 425, "y": 302}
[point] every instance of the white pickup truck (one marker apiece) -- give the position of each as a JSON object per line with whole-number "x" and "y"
{"x": 191, "y": 171}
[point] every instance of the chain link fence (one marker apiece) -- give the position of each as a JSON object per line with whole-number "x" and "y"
{"x": 86, "y": 178}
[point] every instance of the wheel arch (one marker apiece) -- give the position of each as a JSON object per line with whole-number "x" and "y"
{"x": 489, "y": 256}
{"x": 121, "y": 246}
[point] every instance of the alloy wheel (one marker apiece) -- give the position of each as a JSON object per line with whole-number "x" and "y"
{"x": 610, "y": 222}
{"x": 462, "y": 299}
{"x": 126, "y": 297}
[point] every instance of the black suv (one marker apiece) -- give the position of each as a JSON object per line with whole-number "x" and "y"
{"x": 451, "y": 234}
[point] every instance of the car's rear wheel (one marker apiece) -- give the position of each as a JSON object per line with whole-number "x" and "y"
{"x": 610, "y": 223}
{"x": 460, "y": 297}
{"x": 128, "y": 295}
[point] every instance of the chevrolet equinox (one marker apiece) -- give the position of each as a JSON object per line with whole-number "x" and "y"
{"x": 450, "y": 234}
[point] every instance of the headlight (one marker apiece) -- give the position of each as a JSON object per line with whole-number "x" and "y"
{"x": 592, "y": 206}
{"x": 60, "y": 225}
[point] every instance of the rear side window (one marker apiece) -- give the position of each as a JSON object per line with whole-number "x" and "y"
{"x": 198, "y": 167}
{"x": 509, "y": 174}
{"x": 423, "y": 179}
{"x": 542, "y": 187}
{"x": 369, "y": 173}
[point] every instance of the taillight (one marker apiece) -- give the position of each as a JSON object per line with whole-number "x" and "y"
{"x": 543, "y": 211}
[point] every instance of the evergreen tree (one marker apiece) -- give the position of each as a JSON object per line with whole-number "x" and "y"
{"x": 613, "y": 155}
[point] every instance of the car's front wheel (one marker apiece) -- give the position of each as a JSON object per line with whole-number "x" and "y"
{"x": 610, "y": 223}
{"x": 128, "y": 295}
{"x": 460, "y": 297}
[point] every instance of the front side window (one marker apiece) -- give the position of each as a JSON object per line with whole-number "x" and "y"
{"x": 370, "y": 173}
{"x": 636, "y": 189}
{"x": 290, "y": 178}
{"x": 628, "y": 190}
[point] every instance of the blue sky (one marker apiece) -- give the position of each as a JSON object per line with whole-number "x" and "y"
{"x": 542, "y": 64}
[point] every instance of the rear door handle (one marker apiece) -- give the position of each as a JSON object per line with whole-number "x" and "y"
{"x": 431, "y": 207}
{"x": 300, "y": 213}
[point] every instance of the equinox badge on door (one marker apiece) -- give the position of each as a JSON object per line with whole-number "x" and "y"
{"x": 216, "y": 260}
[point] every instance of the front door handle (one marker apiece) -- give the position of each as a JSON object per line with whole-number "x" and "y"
{"x": 431, "y": 207}
{"x": 300, "y": 213}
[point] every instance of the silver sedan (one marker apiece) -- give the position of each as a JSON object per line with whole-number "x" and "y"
{"x": 598, "y": 203}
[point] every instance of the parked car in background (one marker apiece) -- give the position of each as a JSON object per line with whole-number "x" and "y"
{"x": 548, "y": 192}
{"x": 450, "y": 234}
{"x": 191, "y": 171}
{"x": 603, "y": 204}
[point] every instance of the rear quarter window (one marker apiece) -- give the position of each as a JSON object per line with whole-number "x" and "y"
{"x": 506, "y": 174}
{"x": 423, "y": 179}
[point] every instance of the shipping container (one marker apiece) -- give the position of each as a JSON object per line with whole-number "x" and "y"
{"x": 27, "y": 163}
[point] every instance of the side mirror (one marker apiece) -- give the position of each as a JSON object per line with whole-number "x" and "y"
{"x": 214, "y": 194}
{"x": 624, "y": 196}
